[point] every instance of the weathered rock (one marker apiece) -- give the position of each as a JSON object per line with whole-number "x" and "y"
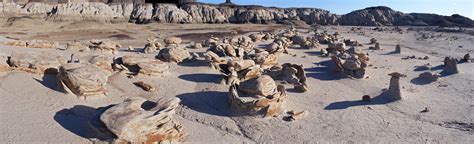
{"x": 293, "y": 116}
{"x": 172, "y": 41}
{"x": 152, "y": 46}
{"x": 261, "y": 87}
{"x": 36, "y": 62}
{"x": 351, "y": 64}
{"x": 144, "y": 86}
{"x": 82, "y": 80}
{"x": 18, "y": 43}
{"x": 450, "y": 65}
{"x": 42, "y": 44}
{"x": 265, "y": 60}
{"x": 177, "y": 54}
{"x": 467, "y": 57}
{"x": 137, "y": 120}
{"x": 197, "y": 46}
{"x": 377, "y": 46}
{"x": 394, "y": 92}
{"x": 143, "y": 65}
{"x": 336, "y": 47}
{"x": 270, "y": 105}
{"x": 77, "y": 46}
{"x": 102, "y": 61}
{"x": 373, "y": 41}
{"x": 351, "y": 42}
{"x": 4, "y": 63}
{"x": 398, "y": 49}
{"x": 429, "y": 76}
{"x": 214, "y": 59}
{"x": 257, "y": 37}
{"x": 105, "y": 46}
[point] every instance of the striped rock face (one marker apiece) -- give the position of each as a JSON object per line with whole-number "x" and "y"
{"x": 36, "y": 62}
{"x": 82, "y": 80}
{"x": 137, "y": 120}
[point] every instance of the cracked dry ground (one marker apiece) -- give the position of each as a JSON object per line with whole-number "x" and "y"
{"x": 32, "y": 110}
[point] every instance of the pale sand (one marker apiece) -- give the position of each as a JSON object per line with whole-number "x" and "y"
{"x": 32, "y": 110}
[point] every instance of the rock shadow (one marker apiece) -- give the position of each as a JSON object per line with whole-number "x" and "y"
{"x": 421, "y": 81}
{"x": 202, "y": 78}
{"x": 209, "y": 102}
{"x": 197, "y": 63}
{"x": 383, "y": 98}
{"x": 50, "y": 81}
{"x": 326, "y": 71}
{"x": 84, "y": 121}
{"x": 314, "y": 53}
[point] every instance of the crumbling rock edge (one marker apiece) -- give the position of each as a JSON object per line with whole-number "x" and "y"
{"x": 209, "y": 13}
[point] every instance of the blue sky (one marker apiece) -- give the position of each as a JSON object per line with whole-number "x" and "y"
{"x": 443, "y": 7}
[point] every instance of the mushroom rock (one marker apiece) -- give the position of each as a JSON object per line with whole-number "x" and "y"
{"x": 394, "y": 91}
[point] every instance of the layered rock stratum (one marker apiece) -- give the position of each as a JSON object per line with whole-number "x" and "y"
{"x": 140, "y": 12}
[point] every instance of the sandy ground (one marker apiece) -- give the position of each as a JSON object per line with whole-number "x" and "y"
{"x": 33, "y": 110}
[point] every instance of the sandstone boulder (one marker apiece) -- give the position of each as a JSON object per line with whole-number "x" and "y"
{"x": 143, "y": 65}
{"x": 177, "y": 54}
{"x": 4, "y": 63}
{"x": 36, "y": 62}
{"x": 270, "y": 106}
{"x": 137, "y": 120}
{"x": 82, "y": 80}
{"x": 261, "y": 86}
{"x": 172, "y": 41}
{"x": 77, "y": 46}
{"x": 104, "y": 46}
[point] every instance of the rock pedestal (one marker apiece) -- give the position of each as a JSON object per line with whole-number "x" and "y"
{"x": 398, "y": 49}
{"x": 394, "y": 92}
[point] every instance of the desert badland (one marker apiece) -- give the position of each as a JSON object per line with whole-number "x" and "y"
{"x": 95, "y": 72}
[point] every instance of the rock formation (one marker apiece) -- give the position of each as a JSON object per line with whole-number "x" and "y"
{"x": 4, "y": 63}
{"x": 77, "y": 46}
{"x": 104, "y": 46}
{"x": 143, "y": 65}
{"x": 33, "y": 44}
{"x": 152, "y": 46}
{"x": 140, "y": 12}
{"x": 137, "y": 120}
{"x": 82, "y": 80}
{"x": 398, "y": 49}
{"x": 266, "y": 97}
{"x": 450, "y": 65}
{"x": 351, "y": 64}
{"x": 177, "y": 54}
{"x": 36, "y": 62}
{"x": 394, "y": 92}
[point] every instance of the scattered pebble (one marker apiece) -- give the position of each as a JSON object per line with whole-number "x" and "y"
{"x": 144, "y": 86}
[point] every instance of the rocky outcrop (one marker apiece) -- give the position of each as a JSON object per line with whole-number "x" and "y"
{"x": 140, "y": 12}
{"x": 385, "y": 16}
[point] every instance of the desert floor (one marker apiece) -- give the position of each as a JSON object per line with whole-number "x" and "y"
{"x": 33, "y": 110}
